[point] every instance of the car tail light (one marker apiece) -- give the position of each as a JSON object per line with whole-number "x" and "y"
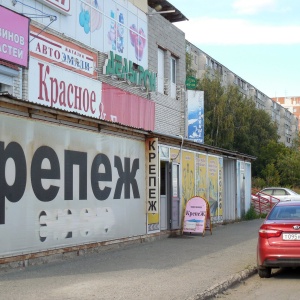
{"x": 269, "y": 233}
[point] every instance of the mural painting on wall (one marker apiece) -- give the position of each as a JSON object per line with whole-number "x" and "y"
{"x": 105, "y": 25}
{"x": 188, "y": 176}
{"x": 213, "y": 186}
{"x": 220, "y": 208}
{"x": 115, "y": 26}
{"x": 201, "y": 178}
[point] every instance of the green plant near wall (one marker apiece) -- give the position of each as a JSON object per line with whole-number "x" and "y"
{"x": 251, "y": 214}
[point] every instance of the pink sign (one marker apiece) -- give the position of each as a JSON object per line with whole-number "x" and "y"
{"x": 196, "y": 214}
{"x": 128, "y": 109}
{"x": 14, "y": 33}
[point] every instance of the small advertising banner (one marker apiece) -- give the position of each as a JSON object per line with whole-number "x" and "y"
{"x": 197, "y": 216}
{"x": 196, "y": 116}
{"x": 14, "y": 37}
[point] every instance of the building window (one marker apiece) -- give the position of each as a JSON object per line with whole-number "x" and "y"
{"x": 7, "y": 75}
{"x": 173, "y": 70}
{"x": 210, "y": 63}
{"x": 6, "y": 83}
{"x": 188, "y": 48}
{"x": 173, "y": 77}
{"x": 160, "y": 71}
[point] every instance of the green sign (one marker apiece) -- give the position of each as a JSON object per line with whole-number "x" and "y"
{"x": 124, "y": 69}
{"x": 191, "y": 83}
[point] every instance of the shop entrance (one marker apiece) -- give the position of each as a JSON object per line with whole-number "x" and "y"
{"x": 169, "y": 196}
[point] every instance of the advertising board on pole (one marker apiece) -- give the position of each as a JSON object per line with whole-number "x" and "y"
{"x": 197, "y": 216}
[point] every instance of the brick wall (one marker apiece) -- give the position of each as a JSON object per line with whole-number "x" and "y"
{"x": 170, "y": 113}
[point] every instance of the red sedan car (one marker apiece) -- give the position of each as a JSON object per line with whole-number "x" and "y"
{"x": 279, "y": 239}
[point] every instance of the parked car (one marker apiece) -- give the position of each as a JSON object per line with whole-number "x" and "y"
{"x": 279, "y": 193}
{"x": 279, "y": 238}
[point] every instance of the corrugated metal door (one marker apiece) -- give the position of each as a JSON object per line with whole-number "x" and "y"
{"x": 248, "y": 185}
{"x": 229, "y": 202}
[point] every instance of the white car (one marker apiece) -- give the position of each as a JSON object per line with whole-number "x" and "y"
{"x": 282, "y": 194}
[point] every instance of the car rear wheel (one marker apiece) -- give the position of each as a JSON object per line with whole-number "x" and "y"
{"x": 264, "y": 273}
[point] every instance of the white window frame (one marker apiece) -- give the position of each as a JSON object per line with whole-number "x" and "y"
{"x": 160, "y": 73}
{"x": 7, "y": 79}
{"x": 173, "y": 76}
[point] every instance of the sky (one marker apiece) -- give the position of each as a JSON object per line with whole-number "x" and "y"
{"x": 258, "y": 40}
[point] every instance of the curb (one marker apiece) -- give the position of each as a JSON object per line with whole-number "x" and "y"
{"x": 224, "y": 285}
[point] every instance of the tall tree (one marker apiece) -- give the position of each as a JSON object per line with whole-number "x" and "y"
{"x": 289, "y": 168}
{"x": 218, "y": 123}
{"x": 231, "y": 119}
{"x": 233, "y": 122}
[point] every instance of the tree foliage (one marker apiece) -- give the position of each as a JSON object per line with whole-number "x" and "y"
{"x": 289, "y": 168}
{"x": 232, "y": 121}
{"x": 188, "y": 61}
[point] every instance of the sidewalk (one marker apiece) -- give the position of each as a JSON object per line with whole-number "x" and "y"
{"x": 184, "y": 267}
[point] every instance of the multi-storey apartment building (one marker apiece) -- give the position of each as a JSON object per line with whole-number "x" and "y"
{"x": 292, "y": 103}
{"x": 285, "y": 119}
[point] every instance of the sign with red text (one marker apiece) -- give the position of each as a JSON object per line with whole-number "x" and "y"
{"x": 59, "y": 88}
{"x": 62, "y": 6}
{"x": 14, "y": 34}
{"x": 53, "y": 49}
{"x": 197, "y": 216}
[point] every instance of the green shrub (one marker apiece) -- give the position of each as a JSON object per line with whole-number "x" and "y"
{"x": 258, "y": 183}
{"x": 251, "y": 214}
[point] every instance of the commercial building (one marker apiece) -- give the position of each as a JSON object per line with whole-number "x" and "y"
{"x": 93, "y": 147}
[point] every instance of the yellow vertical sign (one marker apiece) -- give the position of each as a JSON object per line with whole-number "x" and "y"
{"x": 152, "y": 184}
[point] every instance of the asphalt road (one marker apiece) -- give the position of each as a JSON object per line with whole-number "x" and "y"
{"x": 283, "y": 285}
{"x": 171, "y": 268}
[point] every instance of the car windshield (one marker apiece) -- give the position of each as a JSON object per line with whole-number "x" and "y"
{"x": 285, "y": 213}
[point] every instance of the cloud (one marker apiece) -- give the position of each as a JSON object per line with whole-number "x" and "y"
{"x": 237, "y": 32}
{"x": 250, "y": 7}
